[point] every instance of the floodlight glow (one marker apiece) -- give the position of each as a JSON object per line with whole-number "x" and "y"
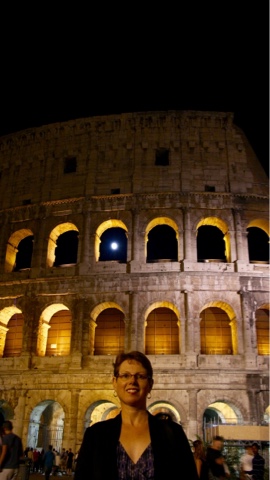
{"x": 114, "y": 246}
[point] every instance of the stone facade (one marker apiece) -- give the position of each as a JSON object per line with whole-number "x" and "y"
{"x": 183, "y": 169}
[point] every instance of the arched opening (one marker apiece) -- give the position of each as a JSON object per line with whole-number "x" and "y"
{"x": 213, "y": 240}
{"x": 109, "y": 332}
{"x": 161, "y": 240}
{"x": 113, "y": 245}
{"x": 15, "y": 344}
{"x": 63, "y": 251}
{"x": 118, "y": 230}
{"x": 46, "y": 425}
{"x": 162, "y": 244}
{"x": 217, "y": 414}
{"x": 262, "y": 331}
{"x": 210, "y": 244}
{"x": 162, "y": 332}
{"x": 61, "y": 331}
{"x": 24, "y": 254}
{"x": 258, "y": 245}
{"x": 162, "y": 407}
{"x": 215, "y": 332}
{"x": 66, "y": 249}
{"x": 19, "y": 250}
{"x": 14, "y": 336}
{"x": 59, "y": 334}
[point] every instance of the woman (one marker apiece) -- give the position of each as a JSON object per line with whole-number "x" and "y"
{"x": 134, "y": 445}
{"x": 200, "y": 460}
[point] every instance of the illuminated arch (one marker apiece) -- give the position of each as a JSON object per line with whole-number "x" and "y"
{"x": 159, "y": 221}
{"x": 44, "y": 326}
{"x": 262, "y": 329}
{"x": 260, "y": 223}
{"x": 5, "y": 316}
{"x": 46, "y": 425}
{"x": 55, "y": 233}
{"x": 12, "y": 247}
{"x": 163, "y": 406}
{"x": 112, "y": 223}
{"x": 113, "y": 341}
{"x": 164, "y": 304}
{"x": 232, "y": 317}
{"x": 258, "y": 240}
{"x": 164, "y": 334}
{"x": 221, "y": 225}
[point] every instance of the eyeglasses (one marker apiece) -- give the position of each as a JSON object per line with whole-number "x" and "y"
{"x": 128, "y": 376}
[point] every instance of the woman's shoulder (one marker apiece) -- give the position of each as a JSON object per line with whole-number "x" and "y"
{"x": 104, "y": 426}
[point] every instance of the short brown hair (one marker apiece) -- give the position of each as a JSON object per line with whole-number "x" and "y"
{"x": 134, "y": 355}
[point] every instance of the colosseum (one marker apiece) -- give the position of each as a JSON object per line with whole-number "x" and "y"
{"x": 137, "y": 231}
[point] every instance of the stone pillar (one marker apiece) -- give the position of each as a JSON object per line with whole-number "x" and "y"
{"x": 253, "y": 406}
{"x": 20, "y": 425}
{"x": 40, "y": 248}
{"x": 190, "y": 251}
{"x": 241, "y": 238}
{"x": 230, "y": 237}
{"x": 248, "y": 328}
{"x": 137, "y": 326}
{"x": 187, "y": 235}
{"x": 77, "y": 324}
{"x": 71, "y": 422}
{"x": 190, "y": 341}
{"x": 193, "y": 422}
{"x": 30, "y": 308}
{"x": 90, "y": 337}
{"x": 137, "y": 240}
{"x": 86, "y": 248}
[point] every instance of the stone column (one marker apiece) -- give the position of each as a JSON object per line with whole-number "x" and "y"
{"x": 89, "y": 345}
{"x": 190, "y": 341}
{"x": 71, "y": 421}
{"x": 137, "y": 240}
{"x": 30, "y": 308}
{"x": 40, "y": 247}
{"x": 193, "y": 422}
{"x": 190, "y": 253}
{"x": 137, "y": 326}
{"x": 241, "y": 238}
{"x": 77, "y": 324}
{"x": 86, "y": 245}
{"x": 20, "y": 425}
{"x": 248, "y": 328}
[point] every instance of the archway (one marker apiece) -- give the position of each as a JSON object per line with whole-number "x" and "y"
{"x": 46, "y": 425}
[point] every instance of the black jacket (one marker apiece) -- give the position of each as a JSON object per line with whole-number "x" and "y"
{"x": 173, "y": 458}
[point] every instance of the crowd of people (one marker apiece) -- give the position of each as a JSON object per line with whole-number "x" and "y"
{"x": 211, "y": 462}
{"x": 51, "y": 461}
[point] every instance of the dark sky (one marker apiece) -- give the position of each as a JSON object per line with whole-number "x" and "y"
{"x": 78, "y": 63}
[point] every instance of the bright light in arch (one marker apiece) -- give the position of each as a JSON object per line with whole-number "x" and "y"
{"x": 114, "y": 246}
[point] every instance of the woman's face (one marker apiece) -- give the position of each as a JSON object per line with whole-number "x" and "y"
{"x": 132, "y": 391}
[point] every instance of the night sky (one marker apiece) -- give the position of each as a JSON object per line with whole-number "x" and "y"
{"x": 78, "y": 64}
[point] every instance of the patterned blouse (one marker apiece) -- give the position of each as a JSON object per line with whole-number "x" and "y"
{"x": 142, "y": 470}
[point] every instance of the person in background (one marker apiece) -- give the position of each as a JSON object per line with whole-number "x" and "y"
{"x": 246, "y": 463}
{"x": 12, "y": 452}
{"x": 63, "y": 460}
{"x": 48, "y": 462}
{"x": 35, "y": 460}
{"x": 200, "y": 459}
{"x": 70, "y": 456}
{"x": 258, "y": 463}
{"x": 216, "y": 460}
{"x": 134, "y": 444}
